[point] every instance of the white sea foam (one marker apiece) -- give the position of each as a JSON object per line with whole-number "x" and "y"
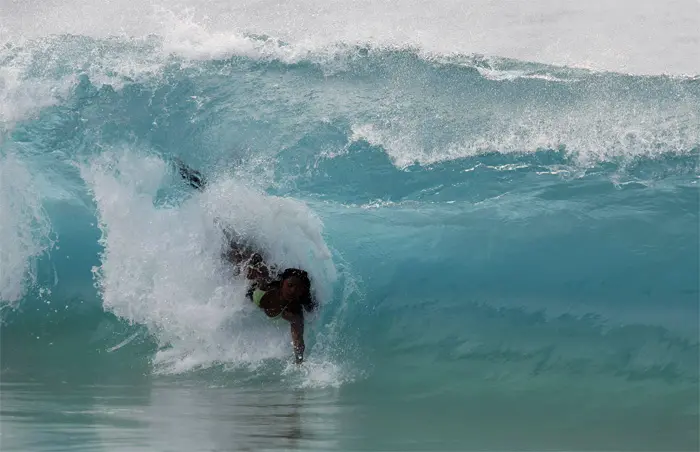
{"x": 599, "y": 130}
{"x": 641, "y": 37}
{"x": 162, "y": 266}
{"x": 25, "y": 229}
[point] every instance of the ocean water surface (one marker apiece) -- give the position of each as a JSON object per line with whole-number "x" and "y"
{"x": 497, "y": 205}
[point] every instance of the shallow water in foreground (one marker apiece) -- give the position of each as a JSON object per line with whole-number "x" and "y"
{"x": 190, "y": 416}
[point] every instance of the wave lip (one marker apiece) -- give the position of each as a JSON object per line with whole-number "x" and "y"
{"x": 596, "y": 35}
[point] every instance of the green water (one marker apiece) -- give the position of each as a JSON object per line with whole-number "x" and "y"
{"x": 115, "y": 401}
{"x": 159, "y": 414}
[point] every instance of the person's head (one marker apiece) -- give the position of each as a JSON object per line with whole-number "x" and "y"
{"x": 295, "y": 285}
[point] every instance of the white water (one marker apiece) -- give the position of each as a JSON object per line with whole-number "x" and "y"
{"x": 640, "y": 37}
{"x": 24, "y": 229}
{"x": 162, "y": 268}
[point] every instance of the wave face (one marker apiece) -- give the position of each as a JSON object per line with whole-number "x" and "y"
{"x": 468, "y": 221}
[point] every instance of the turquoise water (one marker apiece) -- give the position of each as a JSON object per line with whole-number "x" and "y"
{"x": 506, "y": 252}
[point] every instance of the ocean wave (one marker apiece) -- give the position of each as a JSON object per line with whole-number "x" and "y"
{"x": 410, "y": 185}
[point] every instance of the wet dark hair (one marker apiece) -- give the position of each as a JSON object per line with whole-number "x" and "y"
{"x": 307, "y": 300}
{"x": 301, "y": 274}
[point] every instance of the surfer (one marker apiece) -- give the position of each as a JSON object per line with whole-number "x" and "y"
{"x": 284, "y": 295}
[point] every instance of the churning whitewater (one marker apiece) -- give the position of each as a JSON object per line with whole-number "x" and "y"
{"x": 472, "y": 224}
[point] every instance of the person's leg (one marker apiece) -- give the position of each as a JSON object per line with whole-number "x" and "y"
{"x": 236, "y": 254}
{"x": 192, "y": 176}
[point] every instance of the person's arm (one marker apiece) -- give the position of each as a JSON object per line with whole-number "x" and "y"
{"x": 257, "y": 269}
{"x": 296, "y": 322}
